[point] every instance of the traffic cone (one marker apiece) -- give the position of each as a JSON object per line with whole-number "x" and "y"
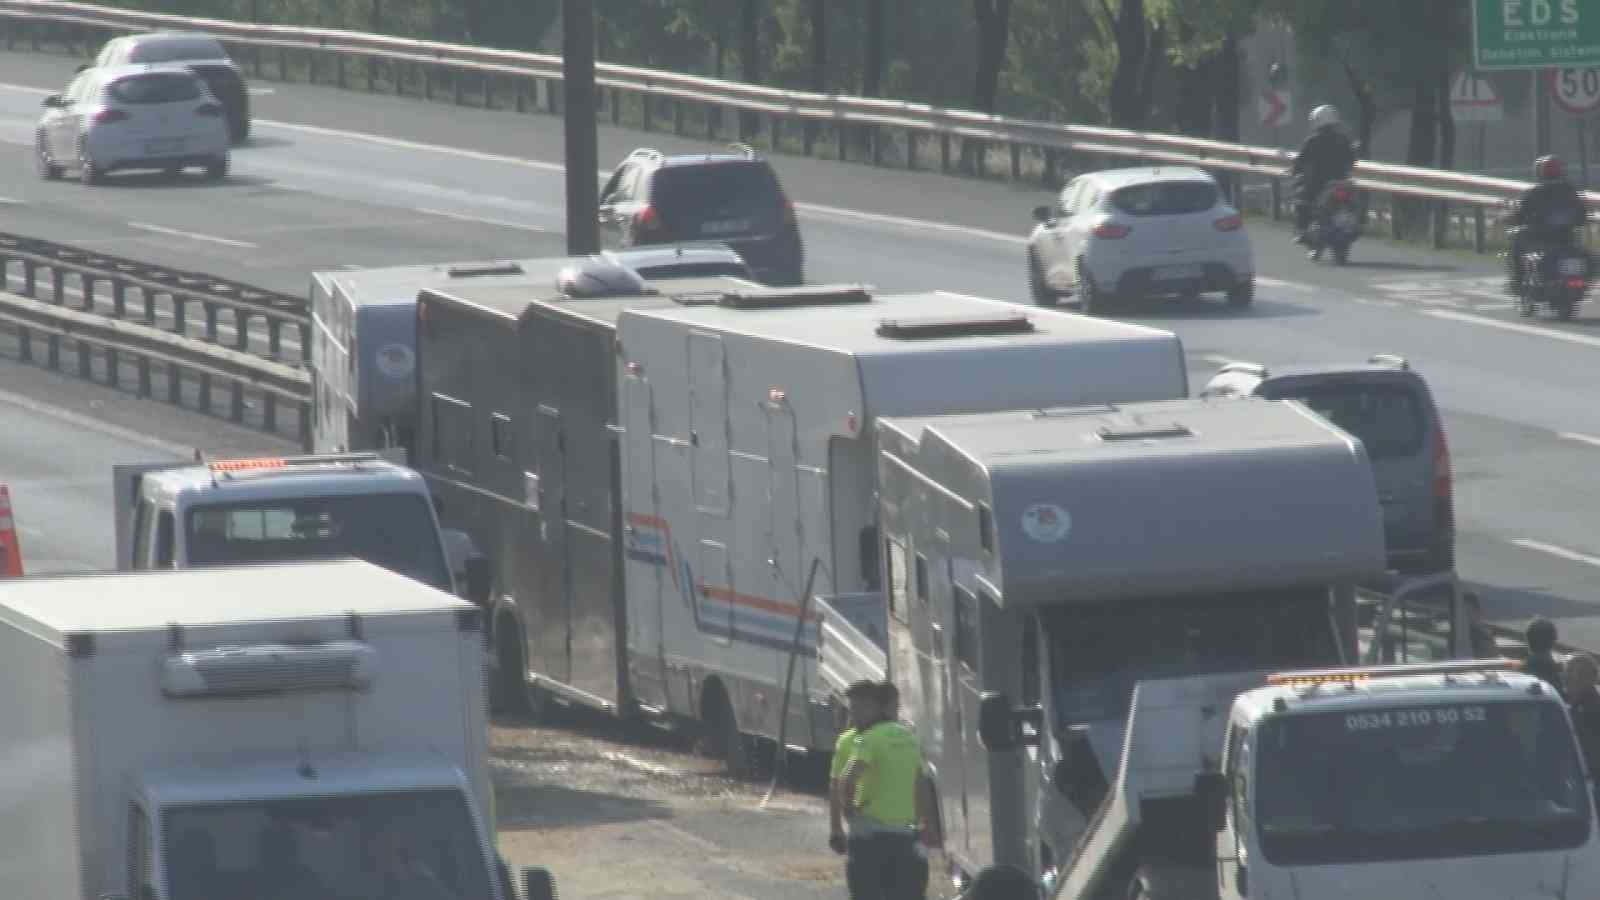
{"x": 10, "y": 547}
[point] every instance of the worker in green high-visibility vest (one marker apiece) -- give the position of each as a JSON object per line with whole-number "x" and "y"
{"x": 885, "y": 797}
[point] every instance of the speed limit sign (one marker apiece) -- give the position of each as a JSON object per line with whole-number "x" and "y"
{"x": 1576, "y": 90}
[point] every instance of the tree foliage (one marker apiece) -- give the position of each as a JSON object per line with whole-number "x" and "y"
{"x": 1153, "y": 64}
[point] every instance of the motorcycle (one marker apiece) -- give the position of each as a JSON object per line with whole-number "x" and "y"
{"x": 1335, "y": 222}
{"x": 1556, "y": 277}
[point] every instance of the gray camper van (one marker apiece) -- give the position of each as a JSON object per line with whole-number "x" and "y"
{"x": 1075, "y": 596}
{"x": 364, "y": 328}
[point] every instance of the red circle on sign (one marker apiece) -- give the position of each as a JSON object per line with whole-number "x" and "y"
{"x": 1576, "y": 90}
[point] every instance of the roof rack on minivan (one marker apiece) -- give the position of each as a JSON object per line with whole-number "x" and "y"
{"x": 1390, "y": 359}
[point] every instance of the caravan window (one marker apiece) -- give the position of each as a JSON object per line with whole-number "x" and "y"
{"x": 503, "y": 439}
{"x": 966, "y": 628}
{"x": 453, "y": 446}
{"x": 897, "y": 580}
{"x": 1098, "y": 652}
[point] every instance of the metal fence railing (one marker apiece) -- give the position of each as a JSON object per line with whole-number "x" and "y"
{"x": 114, "y": 313}
{"x": 1449, "y": 205}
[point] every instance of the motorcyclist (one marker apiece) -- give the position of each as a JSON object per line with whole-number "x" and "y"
{"x": 1543, "y": 217}
{"x": 1327, "y": 155}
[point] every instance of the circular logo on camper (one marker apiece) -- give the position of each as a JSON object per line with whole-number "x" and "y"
{"x": 1046, "y": 522}
{"x": 396, "y": 361}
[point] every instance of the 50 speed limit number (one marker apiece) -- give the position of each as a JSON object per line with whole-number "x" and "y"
{"x": 1576, "y": 90}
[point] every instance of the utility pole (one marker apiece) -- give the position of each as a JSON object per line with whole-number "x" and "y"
{"x": 582, "y": 162}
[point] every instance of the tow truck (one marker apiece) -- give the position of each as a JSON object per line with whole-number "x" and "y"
{"x": 1456, "y": 779}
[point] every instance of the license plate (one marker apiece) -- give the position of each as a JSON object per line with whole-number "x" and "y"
{"x": 726, "y": 226}
{"x": 1574, "y": 267}
{"x": 1345, "y": 220}
{"x": 1178, "y": 273}
{"x": 168, "y": 146}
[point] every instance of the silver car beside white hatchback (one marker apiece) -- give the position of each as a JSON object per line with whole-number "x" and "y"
{"x": 115, "y": 118}
{"x": 1122, "y": 234}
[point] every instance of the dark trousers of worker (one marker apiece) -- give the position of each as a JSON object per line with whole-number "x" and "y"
{"x": 886, "y": 867}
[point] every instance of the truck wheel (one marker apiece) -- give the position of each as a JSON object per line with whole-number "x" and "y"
{"x": 514, "y": 688}
{"x": 721, "y": 729}
{"x": 538, "y": 884}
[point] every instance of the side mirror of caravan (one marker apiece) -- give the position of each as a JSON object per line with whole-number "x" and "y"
{"x": 538, "y": 884}
{"x": 1211, "y": 789}
{"x": 479, "y": 580}
{"x": 1000, "y": 724}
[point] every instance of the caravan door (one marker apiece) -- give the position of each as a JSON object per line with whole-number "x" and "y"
{"x": 552, "y": 623}
{"x": 645, "y": 541}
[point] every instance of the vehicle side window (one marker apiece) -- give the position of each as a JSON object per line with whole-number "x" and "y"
{"x": 966, "y": 631}
{"x": 165, "y": 535}
{"x": 896, "y": 555}
{"x": 141, "y": 534}
{"x": 621, "y": 181}
{"x": 1239, "y": 779}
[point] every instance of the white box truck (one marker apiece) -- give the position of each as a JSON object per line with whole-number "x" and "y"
{"x": 242, "y": 732}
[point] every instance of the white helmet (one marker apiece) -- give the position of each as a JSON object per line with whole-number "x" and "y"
{"x": 1324, "y": 116}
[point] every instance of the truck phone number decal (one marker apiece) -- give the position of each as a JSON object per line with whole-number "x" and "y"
{"x": 1414, "y": 718}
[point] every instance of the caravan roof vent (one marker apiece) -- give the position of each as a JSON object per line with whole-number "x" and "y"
{"x": 477, "y": 270}
{"x": 598, "y": 277}
{"x": 269, "y": 669}
{"x": 1138, "y": 431}
{"x": 805, "y": 295}
{"x": 954, "y": 326}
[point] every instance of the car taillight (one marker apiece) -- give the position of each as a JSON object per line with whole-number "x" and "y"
{"x": 1442, "y": 484}
{"x": 646, "y": 219}
{"x": 107, "y": 116}
{"x": 210, "y": 110}
{"x": 1111, "y": 230}
{"x": 1229, "y": 223}
{"x": 1576, "y": 284}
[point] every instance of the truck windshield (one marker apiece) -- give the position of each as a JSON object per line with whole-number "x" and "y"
{"x": 417, "y": 844}
{"x": 1417, "y": 782}
{"x": 1100, "y": 651}
{"x": 395, "y": 531}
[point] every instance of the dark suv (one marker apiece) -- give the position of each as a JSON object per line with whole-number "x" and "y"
{"x": 200, "y": 52}
{"x": 733, "y": 198}
{"x": 1389, "y": 407}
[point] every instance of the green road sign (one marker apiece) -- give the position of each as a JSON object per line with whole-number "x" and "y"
{"x": 1535, "y": 34}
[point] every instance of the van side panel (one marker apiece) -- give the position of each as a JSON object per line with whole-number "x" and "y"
{"x": 39, "y": 832}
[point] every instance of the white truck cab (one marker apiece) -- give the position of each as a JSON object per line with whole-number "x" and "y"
{"x": 278, "y": 509}
{"x": 1457, "y": 779}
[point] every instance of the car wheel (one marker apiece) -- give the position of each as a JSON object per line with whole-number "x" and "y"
{"x": 1095, "y": 301}
{"x": 48, "y": 170}
{"x": 1242, "y": 294}
{"x": 217, "y": 169}
{"x": 88, "y": 171}
{"x": 1042, "y": 294}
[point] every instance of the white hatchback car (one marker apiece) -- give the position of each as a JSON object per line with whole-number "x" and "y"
{"x": 132, "y": 117}
{"x": 1126, "y": 233}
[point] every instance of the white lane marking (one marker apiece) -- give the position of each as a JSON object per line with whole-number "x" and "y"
{"x": 26, "y": 89}
{"x": 193, "y": 236}
{"x": 463, "y": 217}
{"x": 106, "y": 428}
{"x": 401, "y": 144}
{"x": 1561, "y": 552}
{"x": 1469, "y": 318}
{"x": 1280, "y": 283}
{"x": 1580, "y": 438}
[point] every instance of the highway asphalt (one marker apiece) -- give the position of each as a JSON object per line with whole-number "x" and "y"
{"x": 338, "y": 178}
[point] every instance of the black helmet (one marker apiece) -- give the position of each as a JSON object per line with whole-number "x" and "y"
{"x": 1541, "y": 634}
{"x": 1547, "y": 168}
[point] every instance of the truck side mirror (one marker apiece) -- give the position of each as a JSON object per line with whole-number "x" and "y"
{"x": 1000, "y": 724}
{"x": 538, "y": 884}
{"x": 480, "y": 578}
{"x": 1211, "y": 789}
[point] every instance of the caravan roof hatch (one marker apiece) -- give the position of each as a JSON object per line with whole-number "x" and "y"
{"x": 954, "y": 326}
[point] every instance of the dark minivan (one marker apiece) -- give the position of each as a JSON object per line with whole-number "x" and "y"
{"x": 732, "y": 198}
{"x": 1389, "y": 407}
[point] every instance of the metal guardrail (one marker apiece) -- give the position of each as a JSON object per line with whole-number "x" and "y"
{"x": 103, "y": 319}
{"x": 1453, "y": 201}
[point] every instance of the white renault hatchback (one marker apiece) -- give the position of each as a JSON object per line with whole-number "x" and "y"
{"x": 1128, "y": 233}
{"x": 132, "y": 117}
